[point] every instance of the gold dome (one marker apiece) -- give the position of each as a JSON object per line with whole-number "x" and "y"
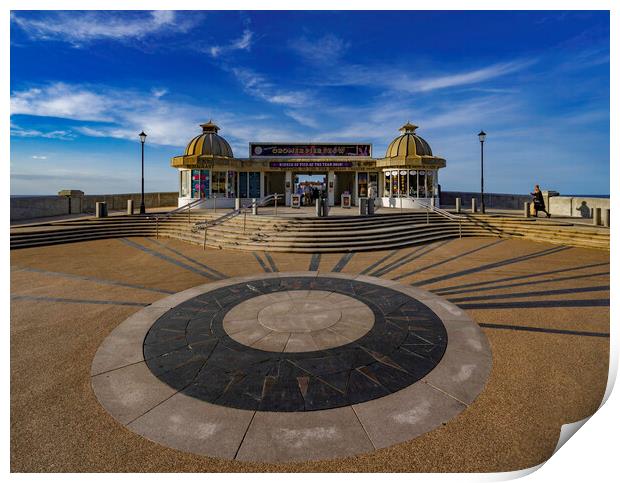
{"x": 209, "y": 143}
{"x": 408, "y": 144}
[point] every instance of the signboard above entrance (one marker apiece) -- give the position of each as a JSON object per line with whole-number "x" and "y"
{"x": 310, "y": 164}
{"x": 320, "y": 150}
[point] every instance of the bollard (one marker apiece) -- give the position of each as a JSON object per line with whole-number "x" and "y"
{"x": 318, "y": 207}
{"x": 130, "y": 207}
{"x": 458, "y": 205}
{"x": 474, "y": 205}
{"x": 606, "y": 218}
{"x": 214, "y": 203}
{"x": 276, "y": 200}
{"x": 371, "y": 206}
{"x": 237, "y": 204}
{"x": 325, "y": 207}
{"x": 101, "y": 209}
{"x": 254, "y": 207}
{"x": 363, "y": 206}
{"x": 433, "y": 202}
{"x": 596, "y": 216}
{"x": 526, "y": 209}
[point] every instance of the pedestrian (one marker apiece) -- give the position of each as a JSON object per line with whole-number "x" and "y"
{"x": 539, "y": 202}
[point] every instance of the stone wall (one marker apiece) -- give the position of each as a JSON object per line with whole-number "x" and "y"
{"x": 28, "y": 207}
{"x": 500, "y": 201}
{"x": 576, "y": 206}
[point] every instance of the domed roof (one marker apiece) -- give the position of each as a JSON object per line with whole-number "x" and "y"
{"x": 209, "y": 143}
{"x": 408, "y": 144}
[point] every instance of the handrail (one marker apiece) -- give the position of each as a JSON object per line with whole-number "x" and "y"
{"x": 233, "y": 213}
{"x": 446, "y": 214}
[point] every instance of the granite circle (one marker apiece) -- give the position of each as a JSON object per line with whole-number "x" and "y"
{"x": 298, "y": 321}
{"x": 190, "y": 350}
{"x": 124, "y": 382}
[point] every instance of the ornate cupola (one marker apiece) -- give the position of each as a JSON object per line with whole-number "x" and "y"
{"x": 409, "y": 149}
{"x": 205, "y": 148}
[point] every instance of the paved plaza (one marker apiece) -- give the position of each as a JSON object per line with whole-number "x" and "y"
{"x": 143, "y": 354}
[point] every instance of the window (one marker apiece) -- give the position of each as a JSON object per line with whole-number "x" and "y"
{"x": 218, "y": 183}
{"x": 373, "y": 181}
{"x": 200, "y": 183}
{"x": 231, "y": 184}
{"x": 362, "y": 185}
{"x": 413, "y": 183}
{"x": 422, "y": 184}
{"x": 429, "y": 184}
{"x": 386, "y": 184}
{"x": 254, "y": 184}
{"x": 186, "y": 184}
{"x": 243, "y": 184}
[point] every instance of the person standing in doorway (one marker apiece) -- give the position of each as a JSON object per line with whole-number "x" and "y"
{"x": 539, "y": 202}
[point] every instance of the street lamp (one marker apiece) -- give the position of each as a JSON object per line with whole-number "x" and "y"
{"x": 482, "y": 136}
{"x": 142, "y": 137}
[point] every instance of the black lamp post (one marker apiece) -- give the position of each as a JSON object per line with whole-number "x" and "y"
{"x": 142, "y": 136}
{"x": 482, "y": 136}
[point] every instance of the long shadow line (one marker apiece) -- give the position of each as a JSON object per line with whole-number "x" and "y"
{"x": 482, "y": 268}
{"x": 261, "y": 263}
{"x": 538, "y": 304}
{"x": 461, "y": 255}
{"x": 33, "y": 298}
{"x": 409, "y": 258}
{"x": 563, "y": 291}
{"x": 215, "y": 272}
{"x": 378, "y": 262}
{"x": 315, "y": 261}
{"x": 346, "y": 258}
{"x": 168, "y": 259}
{"x": 545, "y": 330}
{"x": 450, "y": 290}
{"x": 272, "y": 263}
{"x": 101, "y": 281}
{"x": 520, "y": 284}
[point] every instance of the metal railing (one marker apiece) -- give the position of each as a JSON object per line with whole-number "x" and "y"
{"x": 203, "y": 225}
{"x": 446, "y": 214}
{"x": 188, "y": 207}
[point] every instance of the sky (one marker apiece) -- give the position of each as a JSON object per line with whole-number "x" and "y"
{"x": 85, "y": 83}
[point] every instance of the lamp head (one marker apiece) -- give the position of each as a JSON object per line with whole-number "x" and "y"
{"x": 142, "y": 137}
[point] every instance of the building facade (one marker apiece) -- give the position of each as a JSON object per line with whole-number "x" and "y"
{"x": 208, "y": 170}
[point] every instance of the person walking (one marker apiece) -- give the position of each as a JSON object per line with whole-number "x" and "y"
{"x": 539, "y": 202}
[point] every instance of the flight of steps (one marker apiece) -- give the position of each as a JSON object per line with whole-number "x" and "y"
{"x": 309, "y": 234}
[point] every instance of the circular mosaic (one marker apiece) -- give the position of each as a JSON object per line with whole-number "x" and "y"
{"x": 295, "y": 344}
{"x": 298, "y": 321}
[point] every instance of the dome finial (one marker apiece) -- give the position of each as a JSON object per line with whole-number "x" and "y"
{"x": 209, "y": 127}
{"x": 408, "y": 128}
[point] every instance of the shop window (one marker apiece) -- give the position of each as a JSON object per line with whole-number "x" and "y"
{"x": 373, "y": 182}
{"x": 422, "y": 184}
{"x": 402, "y": 182}
{"x": 254, "y": 184}
{"x": 429, "y": 184}
{"x": 231, "y": 184}
{"x": 413, "y": 183}
{"x": 362, "y": 185}
{"x": 218, "y": 183}
{"x": 243, "y": 184}
{"x": 200, "y": 183}
{"x": 394, "y": 177}
{"x": 186, "y": 184}
{"x": 386, "y": 184}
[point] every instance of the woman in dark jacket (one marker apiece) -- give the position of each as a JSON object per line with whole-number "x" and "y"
{"x": 539, "y": 202}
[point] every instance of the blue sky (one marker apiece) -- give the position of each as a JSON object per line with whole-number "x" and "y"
{"x": 84, "y": 84}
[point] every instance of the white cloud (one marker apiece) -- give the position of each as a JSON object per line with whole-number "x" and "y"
{"x": 18, "y": 131}
{"x": 39, "y": 157}
{"x": 328, "y": 48}
{"x": 258, "y": 86}
{"x": 242, "y": 43}
{"x": 78, "y": 28}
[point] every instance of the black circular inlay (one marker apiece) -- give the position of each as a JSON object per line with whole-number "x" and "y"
{"x": 188, "y": 349}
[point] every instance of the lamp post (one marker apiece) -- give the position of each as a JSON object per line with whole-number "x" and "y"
{"x": 482, "y": 136}
{"x": 142, "y": 136}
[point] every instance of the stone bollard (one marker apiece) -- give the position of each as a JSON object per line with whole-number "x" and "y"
{"x": 254, "y": 207}
{"x": 325, "y": 207}
{"x": 130, "y": 207}
{"x": 606, "y": 218}
{"x": 596, "y": 216}
{"x": 362, "y": 208}
{"x": 101, "y": 209}
{"x": 237, "y": 204}
{"x": 474, "y": 205}
{"x": 433, "y": 202}
{"x": 319, "y": 207}
{"x": 526, "y": 209}
{"x": 371, "y": 206}
{"x": 458, "y": 205}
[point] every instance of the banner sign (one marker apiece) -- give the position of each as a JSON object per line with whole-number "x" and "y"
{"x": 310, "y": 164}
{"x": 325, "y": 150}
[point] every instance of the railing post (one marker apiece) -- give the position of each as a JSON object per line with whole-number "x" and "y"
{"x": 428, "y": 217}
{"x": 204, "y": 243}
{"x": 214, "y": 203}
{"x": 276, "y": 198}
{"x": 460, "y": 232}
{"x": 156, "y": 227}
{"x": 244, "y": 215}
{"x": 189, "y": 208}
